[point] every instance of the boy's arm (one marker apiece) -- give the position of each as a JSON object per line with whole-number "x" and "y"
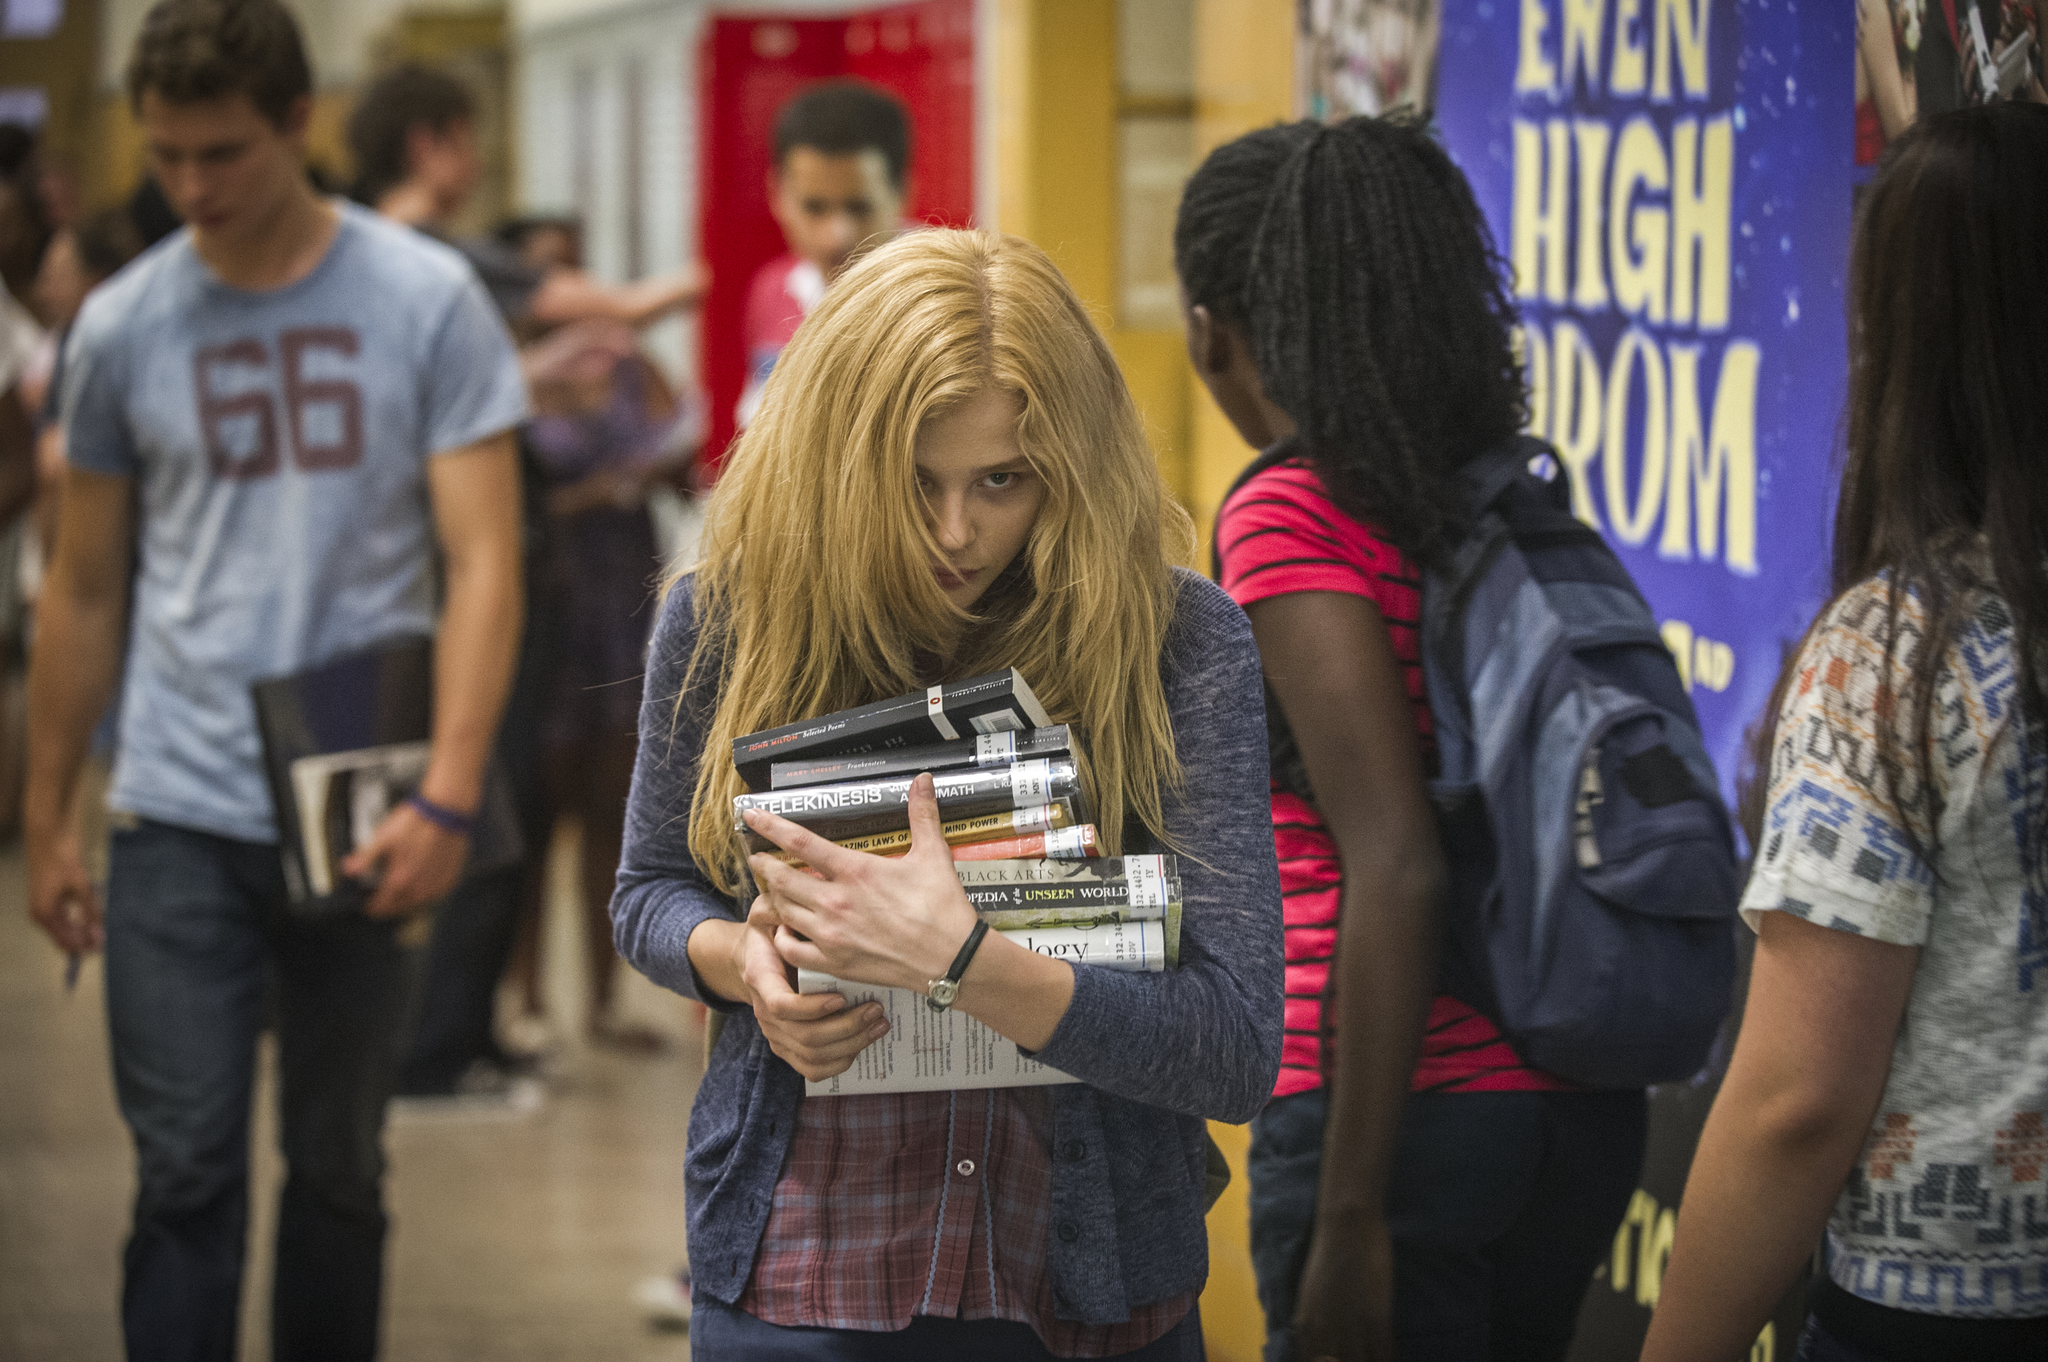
{"x": 72, "y": 673}
{"x": 568, "y": 295}
{"x": 475, "y": 495}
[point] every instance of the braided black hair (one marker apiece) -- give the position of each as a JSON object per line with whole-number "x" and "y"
{"x": 1354, "y": 262}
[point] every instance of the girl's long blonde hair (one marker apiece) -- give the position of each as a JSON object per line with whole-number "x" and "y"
{"x": 814, "y": 587}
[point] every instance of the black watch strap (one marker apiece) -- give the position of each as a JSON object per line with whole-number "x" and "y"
{"x": 942, "y": 991}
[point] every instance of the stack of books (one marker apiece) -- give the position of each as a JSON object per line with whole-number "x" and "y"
{"x": 1014, "y": 814}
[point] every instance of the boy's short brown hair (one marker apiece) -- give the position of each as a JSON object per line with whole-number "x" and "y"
{"x": 194, "y": 50}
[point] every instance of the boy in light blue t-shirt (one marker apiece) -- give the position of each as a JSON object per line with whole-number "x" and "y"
{"x": 289, "y": 426}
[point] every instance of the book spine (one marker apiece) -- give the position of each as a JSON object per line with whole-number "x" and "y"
{"x": 964, "y": 831}
{"x": 862, "y": 808}
{"x": 1059, "y": 844}
{"x": 985, "y": 749}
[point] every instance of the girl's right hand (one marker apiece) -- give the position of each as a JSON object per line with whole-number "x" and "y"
{"x": 817, "y": 1034}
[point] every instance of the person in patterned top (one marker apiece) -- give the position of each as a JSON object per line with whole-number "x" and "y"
{"x": 1891, "y": 1078}
{"x": 1417, "y": 1190}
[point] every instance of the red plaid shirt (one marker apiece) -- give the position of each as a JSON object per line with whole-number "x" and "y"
{"x": 925, "y": 1203}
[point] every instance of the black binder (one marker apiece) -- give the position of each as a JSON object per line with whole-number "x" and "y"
{"x": 345, "y": 742}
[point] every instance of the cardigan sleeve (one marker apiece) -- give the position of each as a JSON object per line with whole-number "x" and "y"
{"x": 1203, "y": 1039}
{"x": 661, "y": 896}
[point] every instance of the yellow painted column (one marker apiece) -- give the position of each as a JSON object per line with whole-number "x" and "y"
{"x": 1057, "y": 182}
{"x": 1244, "y": 79}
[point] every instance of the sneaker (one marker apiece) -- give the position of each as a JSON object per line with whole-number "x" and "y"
{"x": 666, "y": 1300}
{"x": 486, "y": 1091}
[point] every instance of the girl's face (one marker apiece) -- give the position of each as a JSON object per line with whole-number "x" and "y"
{"x": 980, "y": 496}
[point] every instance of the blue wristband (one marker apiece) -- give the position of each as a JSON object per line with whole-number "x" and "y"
{"x": 441, "y": 816}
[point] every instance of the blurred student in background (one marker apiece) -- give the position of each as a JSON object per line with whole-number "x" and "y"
{"x": 1416, "y": 1189}
{"x": 1891, "y": 1077}
{"x": 604, "y": 435}
{"x": 590, "y": 561}
{"x": 289, "y": 438}
{"x": 840, "y": 182}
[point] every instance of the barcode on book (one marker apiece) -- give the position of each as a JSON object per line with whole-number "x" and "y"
{"x": 1065, "y": 844}
{"x": 993, "y": 749}
{"x": 1147, "y": 878}
{"x": 1032, "y": 819}
{"x": 1031, "y": 783}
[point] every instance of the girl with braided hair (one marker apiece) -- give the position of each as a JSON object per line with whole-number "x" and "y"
{"x": 1416, "y": 1190}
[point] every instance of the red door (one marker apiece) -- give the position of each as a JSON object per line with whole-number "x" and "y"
{"x": 923, "y": 53}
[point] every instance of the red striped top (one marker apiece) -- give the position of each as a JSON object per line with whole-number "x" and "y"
{"x": 1281, "y": 533}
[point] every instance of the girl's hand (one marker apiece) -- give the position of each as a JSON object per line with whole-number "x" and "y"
{"x": 817, "y": 1034}
{"x": 893, "y": 921}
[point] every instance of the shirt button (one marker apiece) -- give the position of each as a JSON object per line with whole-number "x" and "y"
{"x": 1069, "y": 1231}
{"x": 1075, "y": 1150}
{"x": 965, "y": 1168}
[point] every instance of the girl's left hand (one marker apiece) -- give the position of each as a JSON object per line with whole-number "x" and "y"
{"x": 893, "y": 921}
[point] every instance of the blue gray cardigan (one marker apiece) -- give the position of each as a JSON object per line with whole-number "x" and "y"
{"x": 1155, "y": 1053}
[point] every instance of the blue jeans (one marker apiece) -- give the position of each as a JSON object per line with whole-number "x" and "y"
{"x": 198, "y": 929}
{"x": 726, "y": 1333}
{"x": 1500, "y": 1205}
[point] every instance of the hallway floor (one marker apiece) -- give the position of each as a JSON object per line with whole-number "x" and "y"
{"x": 516, "y": 1236}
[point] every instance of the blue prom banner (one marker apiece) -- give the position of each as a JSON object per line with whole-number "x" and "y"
{"x": 1670, "y": 182}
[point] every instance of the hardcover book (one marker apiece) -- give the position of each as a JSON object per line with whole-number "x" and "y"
{"x": 861, "y": 808}
{"x": 993, "y": 828}
{"x": 997, "y": 703}
{"x": 984, "y": 749}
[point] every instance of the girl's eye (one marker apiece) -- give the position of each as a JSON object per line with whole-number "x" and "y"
{"x": 998, "y": 481}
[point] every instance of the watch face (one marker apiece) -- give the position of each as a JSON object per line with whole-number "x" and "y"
{"x": 943, "y": 991}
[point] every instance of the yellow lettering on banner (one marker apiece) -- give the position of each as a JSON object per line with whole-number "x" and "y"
{"x": 1639, "y": 269}
{"x": 1534, "y": 354}
{"x": 1579, "y": 53}
{"x": 1731, "y": 459}
{"x": 1681, "y": 28}
{"x": 1589, "y": 293}
{"x": 1713, "y": 473}
{"x": 1630, "y": 69}
{"x": 1632, "y": 523}
{"x": 1575, "y": 408}
{"x": 1701, "y": 661}
{"x": 1702, "y": 205}
{"x": 1654, "y": 1252}
{"x": 1542, "y": 168}
{"x": 1688, "y": 455}
{"x": 1534, "y": 73}
{"x": 1642, "y": 1213}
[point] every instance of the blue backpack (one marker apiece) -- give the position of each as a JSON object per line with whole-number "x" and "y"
{"x": 1592, "y": 871}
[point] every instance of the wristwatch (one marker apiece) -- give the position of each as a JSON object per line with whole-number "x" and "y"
{"x": 940, "y": 993}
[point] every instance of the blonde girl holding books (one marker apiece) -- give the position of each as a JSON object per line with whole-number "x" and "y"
{"x": 948, "y": 477}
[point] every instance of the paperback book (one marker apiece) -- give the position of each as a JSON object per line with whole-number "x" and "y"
{"x": 933, "y": 1051}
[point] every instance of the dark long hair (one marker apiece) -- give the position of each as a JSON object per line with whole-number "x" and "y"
{"x": 1355, "y": 263}
{"x": 1947, "y": 430}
